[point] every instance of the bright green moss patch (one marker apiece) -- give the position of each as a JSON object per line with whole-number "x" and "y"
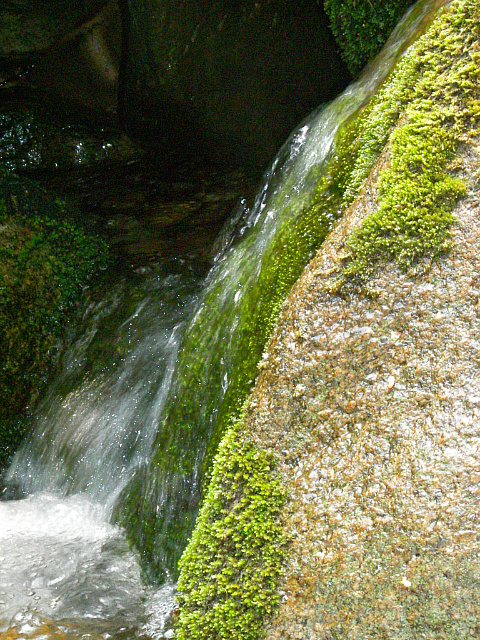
{"x": 417, "y": 192}
{"x": 416, "y": 210}
{"x": 362, "y": 26}
{"x": 46, "y": 260}
{"x": 230, "y": 569}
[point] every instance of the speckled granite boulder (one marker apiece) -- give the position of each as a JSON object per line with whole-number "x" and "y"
{"x": 368, "y": 396}
{"x": 373, "y": 412}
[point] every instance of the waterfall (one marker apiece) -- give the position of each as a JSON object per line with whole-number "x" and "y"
{"x": 224, "y": 341}
{"x": 60, "y": 559}
{"x": 94, "y": 425}
{"x": 128, "y": 428}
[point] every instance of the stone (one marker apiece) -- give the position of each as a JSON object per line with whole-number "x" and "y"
{"x": 229, "y": 80}
{"x": 29, "y": 27}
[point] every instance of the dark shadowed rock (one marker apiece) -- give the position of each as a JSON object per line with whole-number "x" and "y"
{"x": 27, "y": 27}
{"x": 228, "y": 79}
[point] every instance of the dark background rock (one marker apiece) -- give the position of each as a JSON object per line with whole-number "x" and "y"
{"x": 226, "y": 81}
{"x": 229, "y": 80}
{"x": 39, "y": 131}
{"x": 28, "y": 26}
{"x": 85, "y": 66}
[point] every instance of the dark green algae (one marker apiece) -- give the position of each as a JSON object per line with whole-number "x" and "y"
{"x": 47, "y": 259}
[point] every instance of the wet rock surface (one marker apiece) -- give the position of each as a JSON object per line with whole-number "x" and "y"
{"x": 147, "y": 213}
{"x": 226, "y": 80}
{"x": 146, "y": 207}
{"x": 371, "y": 405}
{"x": 27, "y": 27}
{"x": 42, "y": 132}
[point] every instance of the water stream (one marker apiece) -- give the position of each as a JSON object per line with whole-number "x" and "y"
{"x": 164, "y": 343}
{"x": 60, "y": 557}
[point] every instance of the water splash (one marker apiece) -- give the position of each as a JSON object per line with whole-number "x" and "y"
{"x": 63, "y": 568}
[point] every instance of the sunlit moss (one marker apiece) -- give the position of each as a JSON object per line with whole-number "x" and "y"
{"x": 421, "y": 112}
{"x": 417, "y": 192}
{"x": 231, "y": 567}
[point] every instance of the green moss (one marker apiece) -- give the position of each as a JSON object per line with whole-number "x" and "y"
{"x": 362, "y": 26}
{"x": 231, "y": 567}
{"x": 417, "y": 192}
{"x": 46, "y": 260}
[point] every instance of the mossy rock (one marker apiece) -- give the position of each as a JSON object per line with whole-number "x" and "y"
{"x": 240, "y": 305}
{"x": 47, "y": 259}
{"x": 361, "y": 27}
{"x": 421, "y": 114}
{"x": 435, "y": 93}
{"x": 239, "y": 538}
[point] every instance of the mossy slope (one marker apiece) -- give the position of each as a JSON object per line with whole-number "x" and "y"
{"x": 217, "y": 365}
{"x": 47, "y": 258}
{"x": 422, "y": 111}
{"x": 239, "y": 538}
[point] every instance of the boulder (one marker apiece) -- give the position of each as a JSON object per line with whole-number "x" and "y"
{"x": 28, "y": 27}
{"x": 367, "y": 402}
{"x": 226, "y": 80}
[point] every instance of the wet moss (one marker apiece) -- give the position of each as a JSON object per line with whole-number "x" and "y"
{"x": 417, "y": 192}
{"x": 231, "y": 567}
{"x": 361, "y": 28}
{"x": 47, "y": 258}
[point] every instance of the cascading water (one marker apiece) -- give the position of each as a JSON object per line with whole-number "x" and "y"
{"x": 60, "y": 559}
{"x": 162, "y": 364}
{"x": 94, "y": 425}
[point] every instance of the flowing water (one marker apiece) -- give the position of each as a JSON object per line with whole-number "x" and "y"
{"x": 162, "y": 343}
{"x": 60, "y": 558}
